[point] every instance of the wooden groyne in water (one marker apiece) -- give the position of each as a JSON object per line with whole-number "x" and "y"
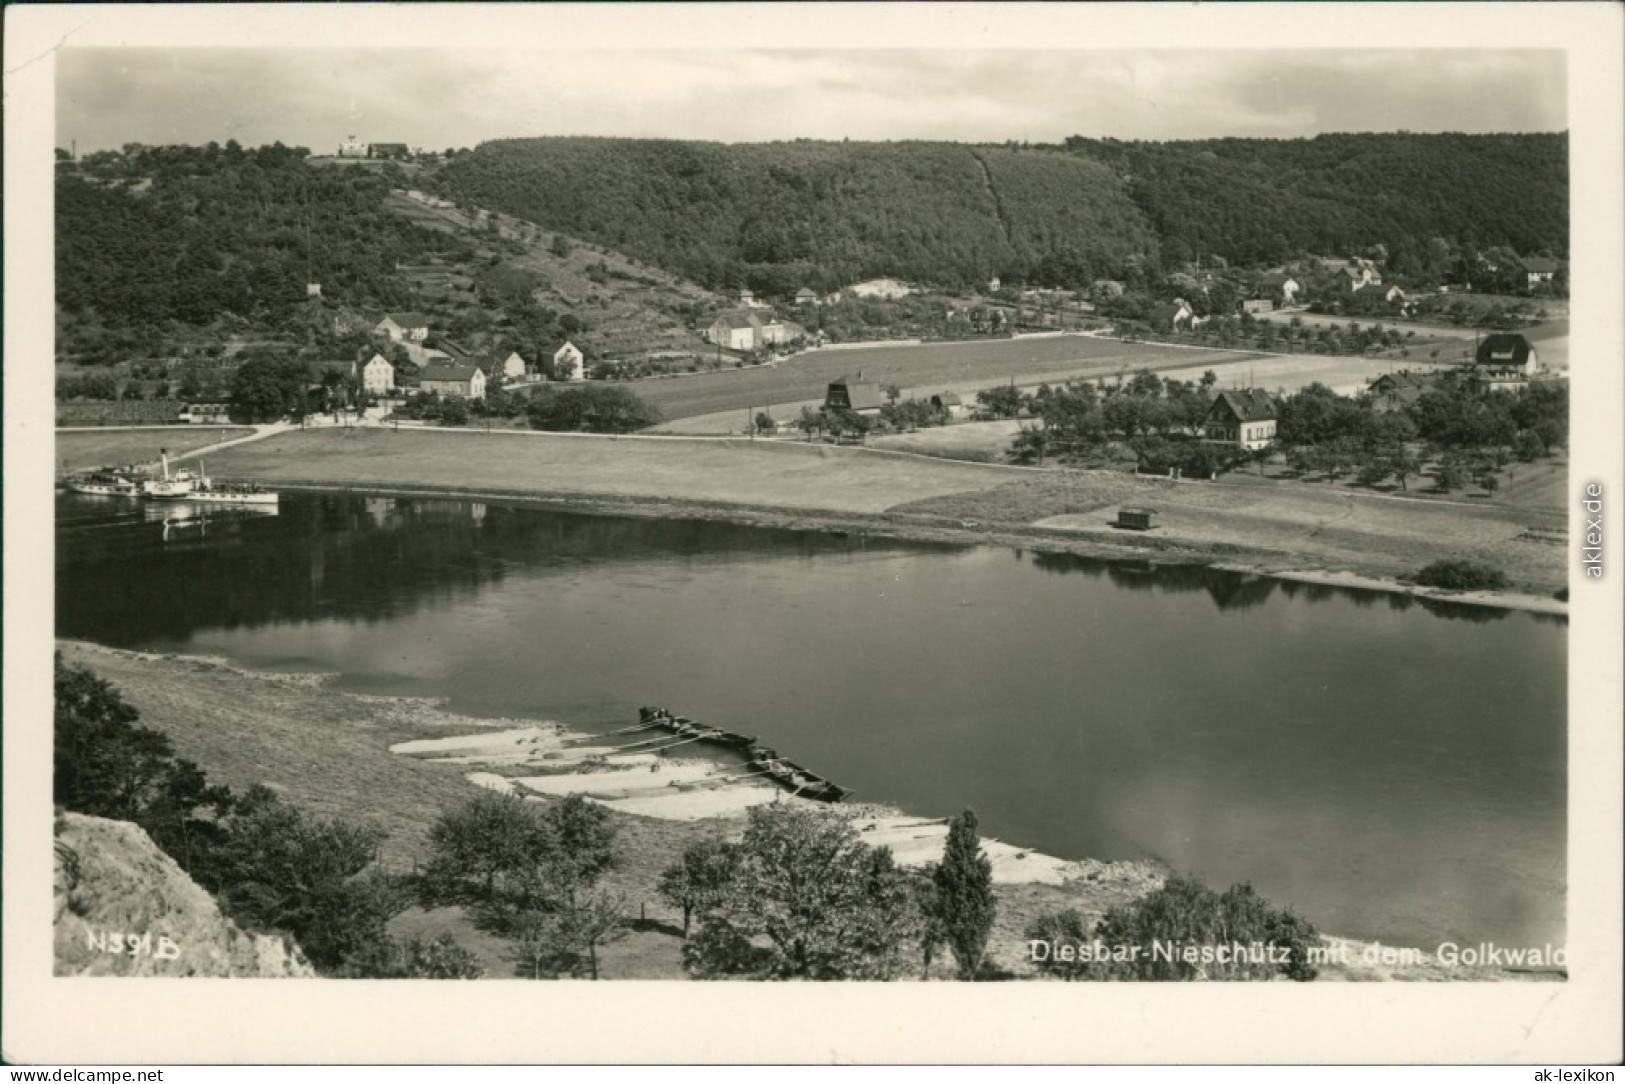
{"x": 761, "y": 760}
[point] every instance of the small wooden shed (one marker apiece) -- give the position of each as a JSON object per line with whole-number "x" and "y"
{"x": 1135, "y": 519}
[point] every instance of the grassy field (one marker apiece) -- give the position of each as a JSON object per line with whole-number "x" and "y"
{"x": 921, "y": 369}
{"x": 973, "y": 442}
{"x": 738, "y": 472}
{"x": 81, "y": 449}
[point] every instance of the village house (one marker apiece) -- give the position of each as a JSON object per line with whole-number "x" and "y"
{"x": 1357, "y": 274}
{"x": 569, "y": 363}
{"x": 207, "y": 413}
{"x": 1539, "y": 269}
{"x": 1504, "y": 362}
{"x": 804, "y": 296}
{"x": 949, "y": 404}
{"x": 1257, "y": 304}
{"x": 512, "y": 367}
{"x": 388, "y": 150}
{"x": 378, "y": 376}
{"x": 734, "y": 330}
{"x": 1278, "y": 287}
{"x": 1245, "y": 418}
{"x": 453, "y": 378}
{"x": 1174, "y": 314}
{"x": 1397, "y": 390}
{"x": 404, "y": 326}
{"x": 352, "y": 148}
{"x": 880, "y": 289}
{"x": 855, "y": 394}
{"x": 776, "y": 332}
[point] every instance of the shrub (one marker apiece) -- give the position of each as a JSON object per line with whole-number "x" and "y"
{"x": 1460, "y": 574}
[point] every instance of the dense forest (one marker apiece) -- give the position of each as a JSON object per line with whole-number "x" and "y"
{"x": 778, "y": 216}
{"x": 1265, "y": 200}
{"x": 154, "y": 236}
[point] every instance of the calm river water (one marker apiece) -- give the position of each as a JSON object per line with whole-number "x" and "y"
{"x": 1393, "y": 771}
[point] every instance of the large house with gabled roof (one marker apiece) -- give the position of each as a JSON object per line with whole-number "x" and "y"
{"x": 453, "y": 378}
{"x": 855, "y": 394}
{"x": 404, "y": 326}
{"x": 1245, "y": 417}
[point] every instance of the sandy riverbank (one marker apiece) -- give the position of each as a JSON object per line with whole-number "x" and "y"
{"x": 332, "y": 753}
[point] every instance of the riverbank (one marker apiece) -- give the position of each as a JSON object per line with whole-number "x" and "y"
{"x": 1290, "y": 531}
{"x": 331, "y": 752}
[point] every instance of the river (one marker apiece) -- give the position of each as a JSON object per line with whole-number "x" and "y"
{"x": 1392, "y": 770}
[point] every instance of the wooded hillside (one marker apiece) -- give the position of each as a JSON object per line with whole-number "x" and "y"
{"x": 778, "y": 216}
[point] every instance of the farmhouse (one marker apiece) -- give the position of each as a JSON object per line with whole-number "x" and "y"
{"x": 855, "y": 394}
{"x": 1278, "y": 287}
{"x": 1539, "y": 269}
{"x": 804, "y": 296}
{"x": 352, "y": 148}
{"x": 1397, "y": 390}
{"x": 734, "y": 330}
{"x": 512, "y": 367}
{"x": 1245, "y": 418}
{"x": 569, "y": 363}
{"x": 774, "y": 332}
{"x": 880, "y": 289}
{"x": 404, "y": 326}
{"x": 1258, "y": 304}
{"x": 1173, "y": 315}
{"x": 949, "y": 404}
{"x": 452, "y": 378}
{"x": 387, "y": 150}
{"x": 1505, "y": 362}
{"x": 378, "y": 375}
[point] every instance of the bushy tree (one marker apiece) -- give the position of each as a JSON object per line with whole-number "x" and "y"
{"x": 1055, "y": 929}
{"x": 699, "y": 879}
{"x": 592, "y": 408}
{"x": 266, "y": 388}
{"x": 809, "y": 901}
{"x": 1186, "y": 914}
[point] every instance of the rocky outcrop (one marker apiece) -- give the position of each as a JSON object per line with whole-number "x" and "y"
{"x": 123, "y": 907}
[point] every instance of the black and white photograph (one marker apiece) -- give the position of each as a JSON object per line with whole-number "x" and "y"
{"x": 995, "y": 508}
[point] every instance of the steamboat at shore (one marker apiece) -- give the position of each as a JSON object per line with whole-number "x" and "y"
{"x": 761, "y": 760}
{"x": 177, "y": 485}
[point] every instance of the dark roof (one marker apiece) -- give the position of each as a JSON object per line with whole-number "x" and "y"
{"x": 1274, "y": 278}
{"x": 1500, "y": 351}
{"x": 805, "y": 291}
{"x": 860, "y": 394}
{"x": 407, "y": 319}
{"x": 948, "y": 399}
{"x": 1404, "y": 379}
{"x": 1539, "y": 263}
{"x": 454, "y": 348}
{"x": 736, "y": 321}
{"x": 1246, "y": 404}
{"x": 447, "y": 370}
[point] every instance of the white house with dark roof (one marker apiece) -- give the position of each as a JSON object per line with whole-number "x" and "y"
{"x": 453, "y": 378}
{"x": 1245, "y": 418}
{"x": 735, "y": 330}
{"x": 1539, "y": 269}
{"x": 512, "y": 367}
{"x": 1504, "y": 362}
{"x": 378, "y": 375}
{"x": 404, "y": 326}
{"x": 569, "y": 363}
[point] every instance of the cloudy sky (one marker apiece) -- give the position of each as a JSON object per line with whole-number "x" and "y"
{"x": 438, "y": 98}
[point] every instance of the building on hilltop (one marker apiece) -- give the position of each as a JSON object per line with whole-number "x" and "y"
{"x": 1245, "y": 418}
{"x": 453, "y": 378}
{"x": 855, "y": 394}
{"x": 352, "y": 148}
{"x": 388, "y": 150}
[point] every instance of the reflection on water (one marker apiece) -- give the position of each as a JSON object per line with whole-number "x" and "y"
{"x": 1388, "y": 773}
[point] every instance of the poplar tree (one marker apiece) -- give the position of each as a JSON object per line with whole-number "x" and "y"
{"x": 964, "y": 883}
